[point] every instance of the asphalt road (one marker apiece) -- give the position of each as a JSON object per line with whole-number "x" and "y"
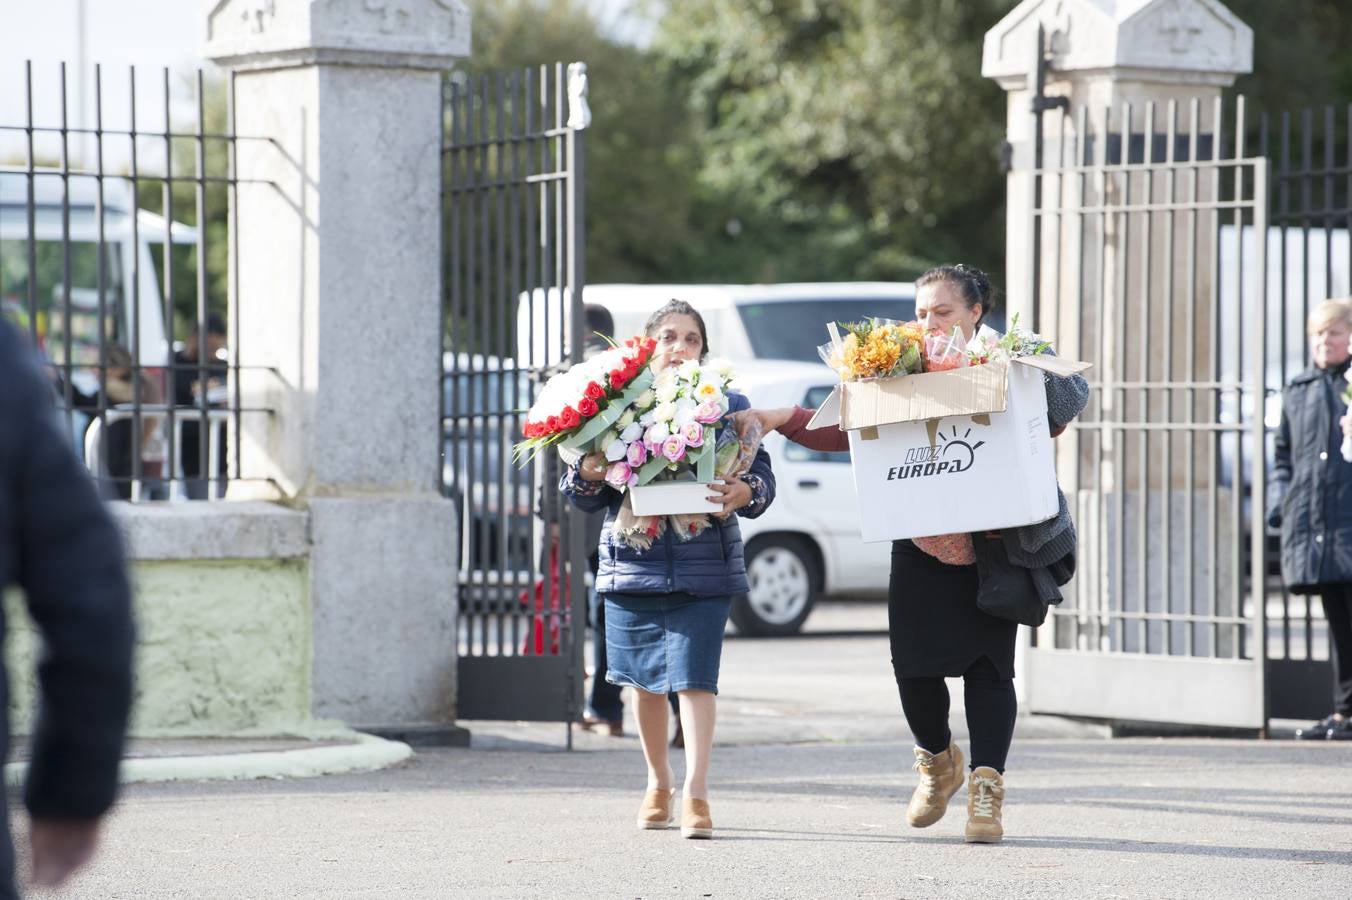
{"x": 810, "y": 781}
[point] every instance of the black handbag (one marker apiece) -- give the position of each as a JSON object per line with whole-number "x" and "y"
{"x": 1005, "y": 590}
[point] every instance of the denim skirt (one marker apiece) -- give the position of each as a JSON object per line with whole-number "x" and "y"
{"x": 664, "y": 643}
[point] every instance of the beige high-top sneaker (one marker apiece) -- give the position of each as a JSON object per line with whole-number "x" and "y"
{"x": 941, "y": 775}
{"x": 985, "y": 797}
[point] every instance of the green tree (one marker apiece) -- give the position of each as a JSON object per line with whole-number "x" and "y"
{"x": 1300, "y": 55}
{"x": 640, "y": 170}
{"x": 153, "y": 190}
{"x": 841, "y": 138}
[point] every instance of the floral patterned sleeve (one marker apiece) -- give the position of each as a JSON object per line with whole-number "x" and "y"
{"x": 760, "y": 496}
{"x": 585, "y": 495}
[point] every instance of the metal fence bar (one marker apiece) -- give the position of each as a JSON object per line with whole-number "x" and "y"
{"x": 67, "y": 309}
{"x": 1190, "y": 554}
{"x": 1167, "y": 376}
{"x": 200, "y": 202}
{"x": 233, "y": 314}
{"x": 172, "y": 448}
{"x": 575, "y": 251}
{"x": 1143, "y": 529}
{"x": 530, "y": 247}
{"x": 1213, "y": 502}
{"x": 1257, "y": 517}
{"x": 1236, "y": 518}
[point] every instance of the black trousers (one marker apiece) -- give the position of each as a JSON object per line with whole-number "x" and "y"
{"x": 1337, "y": 601}
{"x": 991, "y": 711}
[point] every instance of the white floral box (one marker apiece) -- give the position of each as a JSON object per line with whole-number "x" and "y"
{"x": 672, "y": 498}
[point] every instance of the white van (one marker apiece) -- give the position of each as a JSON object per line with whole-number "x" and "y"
{"x": 745, "y": 321}
{"x": 53, "y": 195}
{"x": 59, "y": 232}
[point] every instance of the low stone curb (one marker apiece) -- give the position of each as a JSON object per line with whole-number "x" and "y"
{"x": 366, "y": 753}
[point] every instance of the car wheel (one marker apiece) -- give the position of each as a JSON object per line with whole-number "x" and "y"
{"x": 785, "y": 577}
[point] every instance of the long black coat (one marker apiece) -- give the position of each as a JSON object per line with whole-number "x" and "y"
{"x": 58, "y": 543}
{"x": 1312, "y": 485}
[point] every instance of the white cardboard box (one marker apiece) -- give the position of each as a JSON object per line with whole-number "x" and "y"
{"x": 950, "y": 452}
{"x": 671, "y": 498}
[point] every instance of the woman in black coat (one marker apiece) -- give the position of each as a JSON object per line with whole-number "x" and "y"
{"x": 1312, "y": 499}
{"x": 935, "y": 626}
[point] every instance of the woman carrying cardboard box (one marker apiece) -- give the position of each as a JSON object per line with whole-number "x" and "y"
{"x": 666, "y": 606}
{"x": 934, "y": 624}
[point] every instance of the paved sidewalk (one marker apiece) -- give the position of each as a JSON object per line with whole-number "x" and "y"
{"x": 810, "y": 781}
{"x": 1102, "y": 819}
{"x": 328, "y": 751}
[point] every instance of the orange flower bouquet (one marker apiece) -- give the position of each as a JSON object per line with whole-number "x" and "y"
{"x": 874, "y": 348}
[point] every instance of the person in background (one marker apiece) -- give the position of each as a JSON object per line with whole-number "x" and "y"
{"x": 193, "y": 376}
{"x": 1311, "y": 499}
{"x": 59, "y": 546}
{"x": 605, "y": 702}
{"x": 118, "y": 448}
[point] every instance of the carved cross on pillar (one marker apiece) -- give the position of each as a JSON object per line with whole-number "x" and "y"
{"x": 1180, "y": 23}
{"x": 257, "y": 12}
{"x": 392, "y": 9}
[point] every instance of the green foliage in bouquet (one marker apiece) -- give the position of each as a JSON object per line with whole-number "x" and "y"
{"x": 1018, "y": 342}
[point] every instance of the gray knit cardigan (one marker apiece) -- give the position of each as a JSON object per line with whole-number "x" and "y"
{"x": 1047, "y": 548}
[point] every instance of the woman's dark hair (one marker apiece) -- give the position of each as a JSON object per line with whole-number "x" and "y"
{"x": 679, "y": 308}
{"x": 972, "y": 285}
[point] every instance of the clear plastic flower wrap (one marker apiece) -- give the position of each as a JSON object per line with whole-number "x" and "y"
{"x": 944, "y": 352}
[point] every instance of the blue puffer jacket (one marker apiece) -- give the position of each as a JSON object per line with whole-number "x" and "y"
{"x": 711, "y": 564}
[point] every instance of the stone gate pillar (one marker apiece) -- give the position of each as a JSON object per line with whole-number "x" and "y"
{"x": 338, "y": 116}
{"x": 1106, "y": 272}
{"x": 1105, "y": 54}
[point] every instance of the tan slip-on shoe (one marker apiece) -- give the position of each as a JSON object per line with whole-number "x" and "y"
{"x": 658, "y": 810}
{"x": 985, "y": 802}
{"x": 695, "y": 819}
{"x": 941, "y": 776}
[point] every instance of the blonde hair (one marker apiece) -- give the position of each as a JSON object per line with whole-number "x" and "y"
{"x": 1329, "y": 312}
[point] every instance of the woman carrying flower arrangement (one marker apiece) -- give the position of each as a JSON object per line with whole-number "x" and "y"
{"x": 667, "y": 584}
{"x": 935, "y": 627}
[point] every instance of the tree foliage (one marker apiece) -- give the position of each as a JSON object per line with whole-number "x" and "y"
{"x": 843, "y": 138}
{"x": 1301, "y": 57}
{"x": 177, "y": 195}
{"x": 640, "y": 156}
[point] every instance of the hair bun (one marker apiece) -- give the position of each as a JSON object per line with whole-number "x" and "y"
{"x": 980, "y": 280}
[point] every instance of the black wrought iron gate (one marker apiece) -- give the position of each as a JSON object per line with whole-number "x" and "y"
{"x": 512, "y": 196}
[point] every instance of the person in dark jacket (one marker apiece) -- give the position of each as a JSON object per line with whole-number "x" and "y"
{"x": 1311, "y": 499}
{"x": 59, "y": 545}
{"x": 197, "y": 382}
{"x": 934, "y": 624}
{"x": 117, "y": 469}
{"x": 667, "y": 606}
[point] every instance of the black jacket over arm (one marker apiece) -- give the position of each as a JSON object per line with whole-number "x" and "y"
{"x": 59, "y": 544}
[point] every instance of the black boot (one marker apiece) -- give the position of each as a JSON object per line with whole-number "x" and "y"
{"x": 1321, "y": 730}
{"x": 1341, "y": 730}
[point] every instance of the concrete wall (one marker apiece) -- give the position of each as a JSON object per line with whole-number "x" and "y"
{"x": 223, "y": 616}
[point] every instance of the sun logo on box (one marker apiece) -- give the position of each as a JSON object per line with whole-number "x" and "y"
{"x": 958, "y": 450}
{"x": 950, "y": 454}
